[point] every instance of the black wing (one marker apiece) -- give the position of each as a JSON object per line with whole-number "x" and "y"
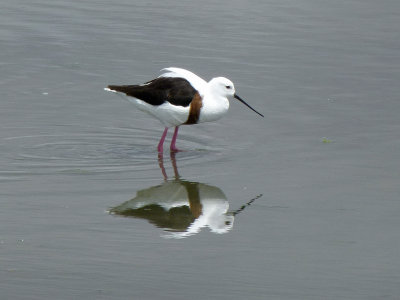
{"x": 175, "y": 90}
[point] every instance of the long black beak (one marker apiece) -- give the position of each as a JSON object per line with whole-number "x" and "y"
{"x": 241, "y": 100}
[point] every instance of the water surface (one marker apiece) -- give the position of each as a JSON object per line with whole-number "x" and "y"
{"x": 325, "y": 158}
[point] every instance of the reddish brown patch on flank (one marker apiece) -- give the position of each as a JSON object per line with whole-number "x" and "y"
{"x": 194, "y": 112}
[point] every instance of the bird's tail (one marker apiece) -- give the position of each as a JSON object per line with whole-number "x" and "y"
{"x": 130, "y": 90}
{"x": 116, "y": 88}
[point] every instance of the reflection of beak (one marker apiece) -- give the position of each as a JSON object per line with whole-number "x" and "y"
{"x": 234, "y": 213}
{"x": 241, "y": 100}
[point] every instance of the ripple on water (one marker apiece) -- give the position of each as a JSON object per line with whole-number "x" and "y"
{"x": 100, "y": 150}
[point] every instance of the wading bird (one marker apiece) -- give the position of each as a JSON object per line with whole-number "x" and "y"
{"x": 180, "y": 97}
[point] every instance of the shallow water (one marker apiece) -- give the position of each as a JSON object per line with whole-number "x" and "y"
{"x": 302, "y": 204}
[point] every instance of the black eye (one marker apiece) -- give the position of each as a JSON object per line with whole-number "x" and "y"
{"x": 228, "y": 87}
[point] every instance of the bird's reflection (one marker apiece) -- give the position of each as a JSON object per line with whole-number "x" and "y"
{"x": 182, "y": 208}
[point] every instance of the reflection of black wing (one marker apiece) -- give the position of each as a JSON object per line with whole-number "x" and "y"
{"x": 175, "y": 90}
{"x": 175, "y": 219}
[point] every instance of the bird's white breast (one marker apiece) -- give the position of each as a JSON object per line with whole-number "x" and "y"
{"x": 213, "y": 108}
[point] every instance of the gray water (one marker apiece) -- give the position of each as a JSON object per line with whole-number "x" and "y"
{"x": 302, "y": 204}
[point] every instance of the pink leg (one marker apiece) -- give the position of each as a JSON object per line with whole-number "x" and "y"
{"x": 173, "y": 147}
{"x": 160, "y": 144}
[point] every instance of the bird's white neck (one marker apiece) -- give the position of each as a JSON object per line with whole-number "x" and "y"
{"x": 213, "y": 108}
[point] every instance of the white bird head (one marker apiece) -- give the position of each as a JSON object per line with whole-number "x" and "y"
{"x": 224, "y": 87}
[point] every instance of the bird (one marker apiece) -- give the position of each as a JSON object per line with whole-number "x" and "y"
{"x": 179, "y": 97}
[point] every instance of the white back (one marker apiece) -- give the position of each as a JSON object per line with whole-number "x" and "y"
{"x": 197, "y": 82}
